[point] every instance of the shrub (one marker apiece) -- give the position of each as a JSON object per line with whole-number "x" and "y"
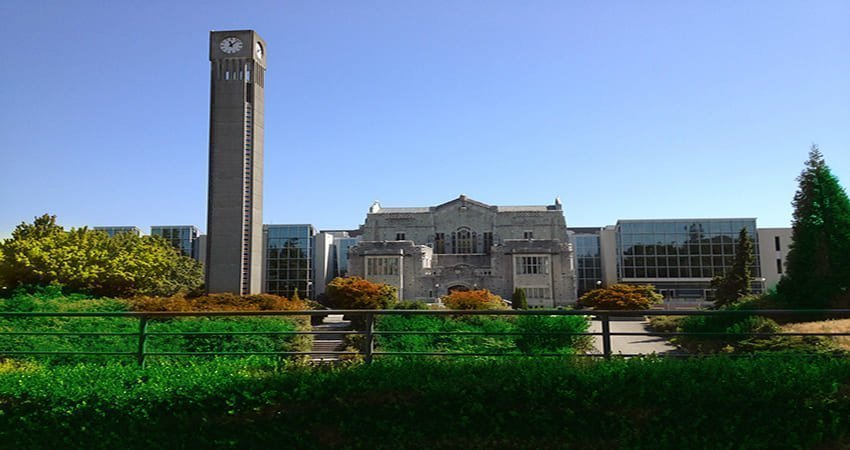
{"x": 635, "y": 403}
{"x": 665, "y": 324}
{"x": 621, "y": 297}
{"x": 52, "y": 300}
{"x": 723, "y": 324}
{"x": 219, "y": 302}
{"x": 446, "y": 343}
{"x": 357, "y": 293}
{"x": 411, "y": 304}
{"x": 478, "y": 299}
{"x": 531, "y": 343}
{"x": 519, "y": 300}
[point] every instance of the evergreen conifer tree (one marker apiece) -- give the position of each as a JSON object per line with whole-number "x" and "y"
{"x": 818, "y": 264}
{"x": 735, "y": 283}
{"x": 519, "y": 300}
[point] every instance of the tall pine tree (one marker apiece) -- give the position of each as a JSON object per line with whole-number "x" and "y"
{"x": 735, "y": 283}
{"x": 818, "y": 265}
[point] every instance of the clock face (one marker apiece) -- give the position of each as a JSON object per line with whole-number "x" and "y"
{"x": 259, "y": 50}
{"x": 230, "y": 45}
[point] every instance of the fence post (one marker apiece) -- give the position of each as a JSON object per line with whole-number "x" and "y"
{"x": 140, "y": 352}
{"x": 370, "y": 336}
{"x": 606, "y": 336}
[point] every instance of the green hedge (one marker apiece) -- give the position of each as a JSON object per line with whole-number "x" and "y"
{"x": 507, "y": 344}
{"x": 788, "y": 402}
{"x": 56, "y": 302}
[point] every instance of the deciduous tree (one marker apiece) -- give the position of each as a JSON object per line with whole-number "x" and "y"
{"x": 357, "y": 293}
{"x": 124, "y": 265}
{"x": 621, "y": 296}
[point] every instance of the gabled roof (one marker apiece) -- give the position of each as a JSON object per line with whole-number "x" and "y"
{"x": 462, "y": 200}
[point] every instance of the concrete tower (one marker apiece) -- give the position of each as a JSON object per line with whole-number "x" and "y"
{"x": 235, "y": 202}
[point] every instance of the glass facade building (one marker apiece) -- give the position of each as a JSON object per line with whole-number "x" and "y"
{"x": 289, "y": 259}
{"x": 340, "y": 263}
{"x": 588, "y": 260}
{"x": 681, "y": 256}
{"x": 182, "y": 237}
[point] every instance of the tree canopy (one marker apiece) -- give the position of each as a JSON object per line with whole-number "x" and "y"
{"x": 357, "y": 293}
{"x": 735, "y": 283}
{"x": 818, "y": 263}
{"x": 124, "y": 265}
{"x": 621, "y": 296}
{"x": 474, "y": 299}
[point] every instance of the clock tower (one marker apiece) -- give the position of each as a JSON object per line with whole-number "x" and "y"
{"x": 235, "y": 197}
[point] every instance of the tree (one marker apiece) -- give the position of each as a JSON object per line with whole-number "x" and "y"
{"x": 818, "y": 264}
{"x": 621, "y": 296}
{"x": 125, "y": 265}
{"x": 519, "y": 300}
{"x": 735, "y": 283}
{"x": 477, "y": 299}
{"x": 357, "y": 293}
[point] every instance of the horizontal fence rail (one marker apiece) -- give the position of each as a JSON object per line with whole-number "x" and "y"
{"x": 369, "y": 331}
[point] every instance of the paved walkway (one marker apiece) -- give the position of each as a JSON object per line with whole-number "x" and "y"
{"x": 630, "y": 345}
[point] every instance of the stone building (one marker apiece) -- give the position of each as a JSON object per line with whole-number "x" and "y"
{"x": 464, "y": 244}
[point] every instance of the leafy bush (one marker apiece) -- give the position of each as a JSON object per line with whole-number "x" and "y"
{"x": 473, "y": 343}
{"x": 233, "y": 343}
{"x": 357, "y": 293}
{"x": 411, "y": 305}
{"x": 621, "y": 297}
{"x": 220, "y": 302}
{"x": 52, "y": 300}
{"x": 529, "y": 403}
{"x": 552, "y": 324}
{"x": 444, "y": 343}
{"x": 477, "y": 299}
{"x": 665, "y": 324}
{"x": 723, "y": 324}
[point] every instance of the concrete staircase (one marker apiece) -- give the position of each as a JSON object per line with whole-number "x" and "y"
{"x": 329, "y": 342}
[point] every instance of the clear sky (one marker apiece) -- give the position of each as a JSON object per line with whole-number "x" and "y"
{"x": 625, "y": 110}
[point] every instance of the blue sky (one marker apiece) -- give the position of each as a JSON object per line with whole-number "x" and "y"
{"x": 625, "y": 110}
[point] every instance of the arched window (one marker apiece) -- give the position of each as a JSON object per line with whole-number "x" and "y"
{"x": 464, "y": 242}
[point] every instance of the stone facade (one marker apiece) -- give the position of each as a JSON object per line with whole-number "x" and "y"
{"x": 234, "y": 256}
{"x": 465, "y": 244}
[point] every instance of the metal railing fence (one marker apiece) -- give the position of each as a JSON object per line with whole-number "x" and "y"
{"x": 369, "y": 350}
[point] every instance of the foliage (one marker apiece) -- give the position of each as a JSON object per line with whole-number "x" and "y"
{"x": 444, "y": 343}
{"x": 665, "y": 324}
{"x": 506, "y": 344}
{"x": 800, "y": 402}
{"x": 44, "y": 253}
{"x": 735, "y": 283}
{"x": 818, "y": 264}
{"x": 219, "y": 302}
{"x": 519, "y": 299}
{"x": 411, "y": 304}
{"x": 474, "y": 299}
{"x": 357, "y": 293}
{"x": 52, "y": 299}
{"x": 621, "y": 297}
{"x": 723, "y": 324}
{"x": 531, "y": 344}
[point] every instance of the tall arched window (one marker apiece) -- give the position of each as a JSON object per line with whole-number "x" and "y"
{"x": 464, "y": 242}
